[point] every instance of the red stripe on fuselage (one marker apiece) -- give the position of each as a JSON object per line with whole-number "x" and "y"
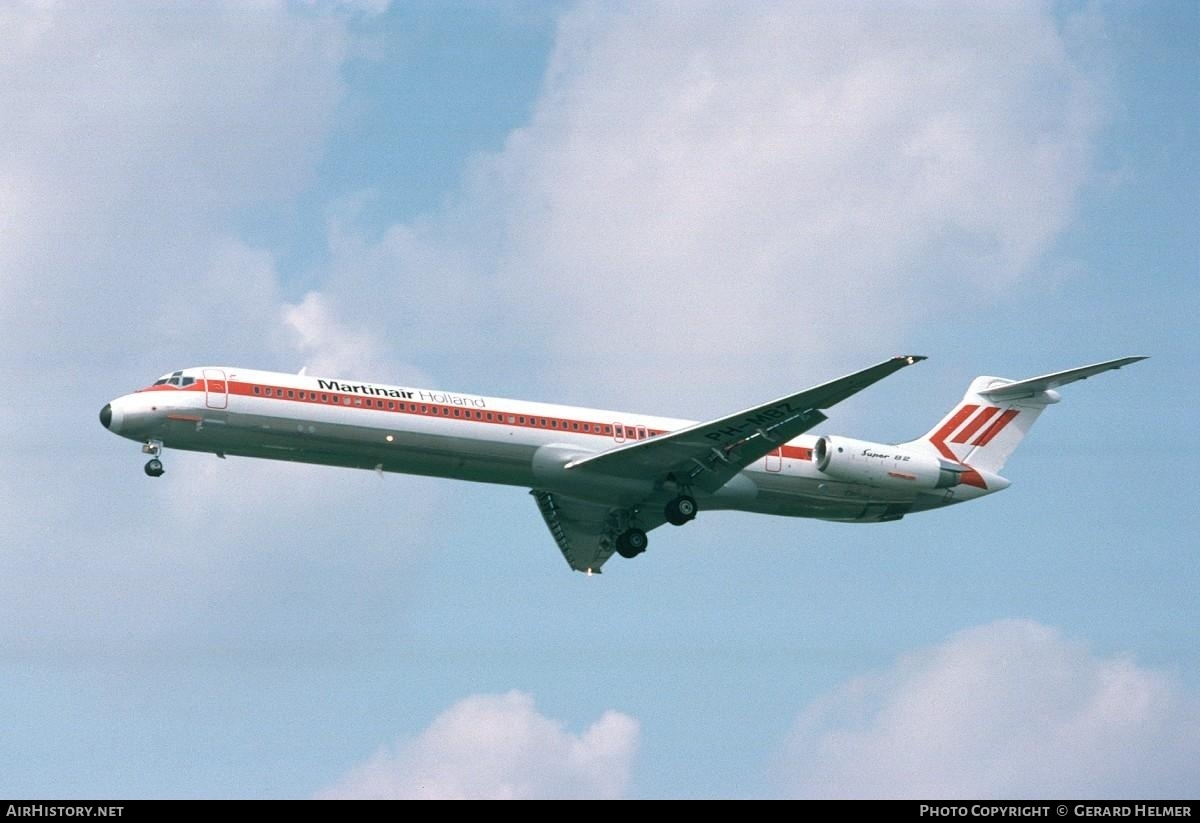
{"x": 343, "y": 400}
{"x": 197, "y": 386}
{"x": 971, "y": 477}
{"x": 497, "y": 417}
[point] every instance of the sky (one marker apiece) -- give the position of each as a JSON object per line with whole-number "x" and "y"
{"x": 671, "y": 208}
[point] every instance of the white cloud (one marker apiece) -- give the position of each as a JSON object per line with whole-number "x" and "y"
{"x": 130, "y": 139}
{"x": 785, "y": 183}
{"x": 130, "y": 136}
{"x": 500, "y": 746}
{"x": 1009, "y": 709}
{"x": 133, "y": 138}
{"x": 329, "y": 346}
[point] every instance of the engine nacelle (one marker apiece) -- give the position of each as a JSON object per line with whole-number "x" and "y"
{"x": 877, "y": 464}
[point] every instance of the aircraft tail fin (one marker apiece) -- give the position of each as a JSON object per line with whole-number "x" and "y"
{"x": 996, "y": 413}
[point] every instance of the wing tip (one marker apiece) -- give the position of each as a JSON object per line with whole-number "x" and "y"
{"x": 910, "y": 359}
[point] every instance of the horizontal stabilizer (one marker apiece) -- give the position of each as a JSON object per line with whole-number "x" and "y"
{"x": 1036, "y": 385}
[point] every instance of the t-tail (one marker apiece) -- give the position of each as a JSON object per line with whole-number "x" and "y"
{"x": 996, "y": 413}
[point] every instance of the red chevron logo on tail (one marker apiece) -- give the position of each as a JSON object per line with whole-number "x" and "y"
{"x": 966, "y": 424}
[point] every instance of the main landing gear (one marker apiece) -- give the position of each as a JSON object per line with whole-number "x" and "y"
{"x": 154, "y": 466}
{"x": 631, "y": 543}
{"x": 681, "y": 510}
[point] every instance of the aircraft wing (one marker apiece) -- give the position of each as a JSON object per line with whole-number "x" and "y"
{"x": 586, "y": 532}
{"x": 708, "y": 455}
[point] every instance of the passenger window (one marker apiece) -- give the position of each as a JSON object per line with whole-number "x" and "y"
{"x": 291, "y": 394}
{"x": 345, "y": 400}
{"x": 257, "y": 390}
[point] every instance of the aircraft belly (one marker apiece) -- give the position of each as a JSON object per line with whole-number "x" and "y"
{"x": 792, "y": 496}
{"x": 364, "y": 447}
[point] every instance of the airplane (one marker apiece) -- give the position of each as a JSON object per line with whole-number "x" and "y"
{"x": 602, "y": 479}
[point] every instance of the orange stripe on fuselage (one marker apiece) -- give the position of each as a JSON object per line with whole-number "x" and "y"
{"x": 971, "y": 477}
{"x": 796, "y": 452}
{"x": 499, "y": 417}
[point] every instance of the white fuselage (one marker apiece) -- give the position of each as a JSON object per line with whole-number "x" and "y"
{"x": 232, "y": 411}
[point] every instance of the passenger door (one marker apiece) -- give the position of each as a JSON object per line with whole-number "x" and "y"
{"x": 216, "y": 389}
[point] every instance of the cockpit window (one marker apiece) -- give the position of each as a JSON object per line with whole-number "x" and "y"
{"x": 174, "y": 379}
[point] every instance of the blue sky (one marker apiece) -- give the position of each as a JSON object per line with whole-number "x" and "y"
{"x": 671, "y": 208}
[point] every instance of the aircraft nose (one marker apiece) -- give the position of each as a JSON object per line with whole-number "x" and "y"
{"x": 116, "y": 418}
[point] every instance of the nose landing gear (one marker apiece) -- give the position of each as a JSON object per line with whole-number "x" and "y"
{"x": 154, "y": 466}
